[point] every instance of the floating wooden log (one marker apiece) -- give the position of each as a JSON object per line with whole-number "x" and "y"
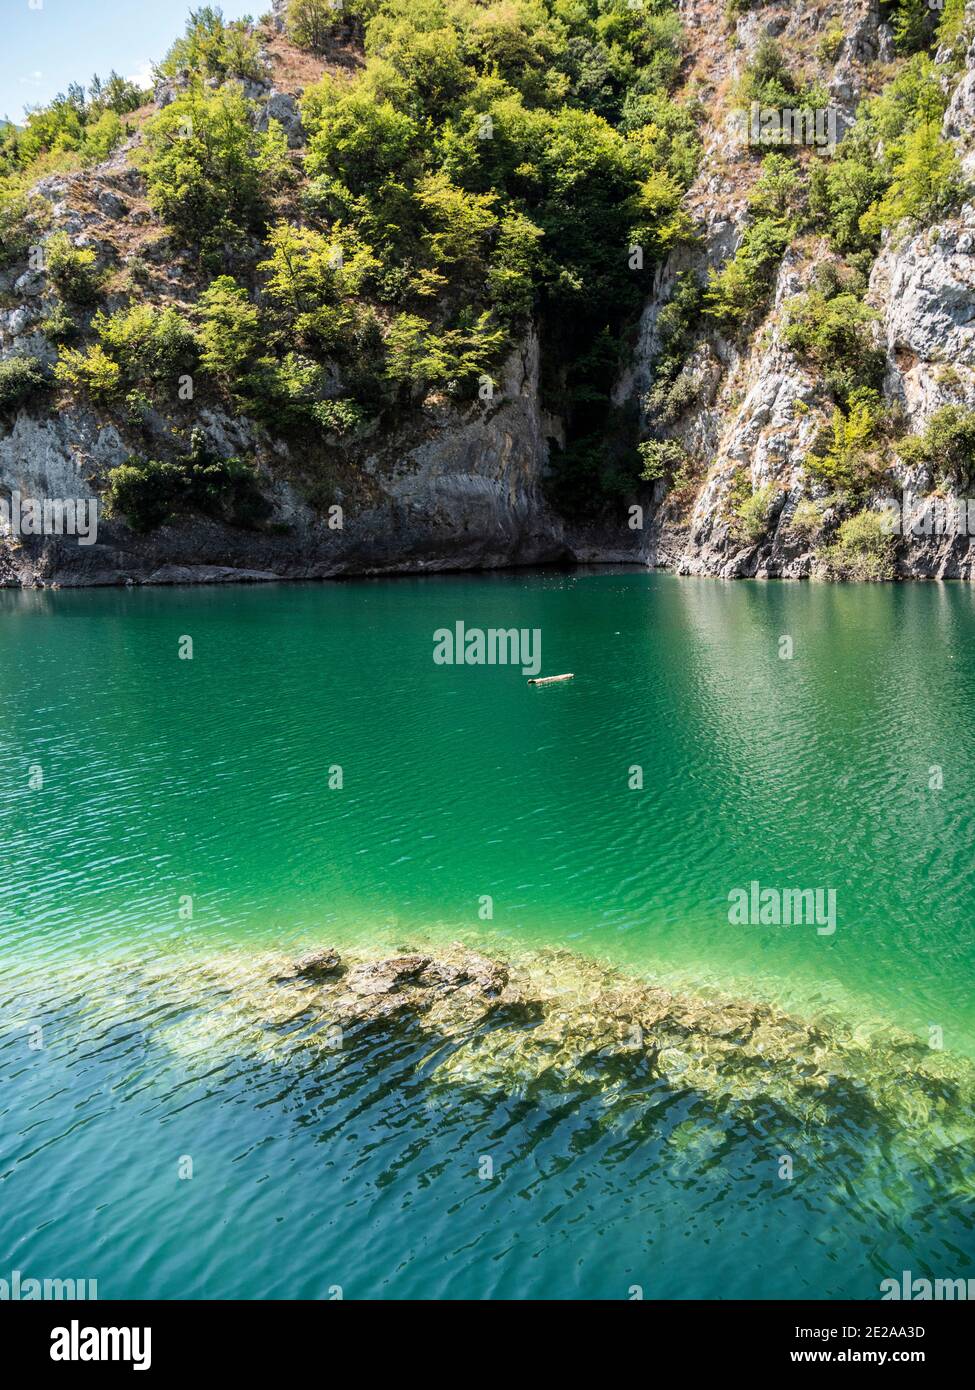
{"x": 550, "y": 680}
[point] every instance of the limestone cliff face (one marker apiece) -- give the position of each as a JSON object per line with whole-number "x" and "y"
{"x": 457, "y": 489}
{"x": 461, "y": 490}
{"x": 761, "y": 409}
{"x": 452, "y": 488}
{"x": 465, "y": 487}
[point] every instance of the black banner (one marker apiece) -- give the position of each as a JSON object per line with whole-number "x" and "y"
{"x": 169, "y": 1339}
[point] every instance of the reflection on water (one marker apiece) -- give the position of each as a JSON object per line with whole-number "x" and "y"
{"x": 167, "y": 781}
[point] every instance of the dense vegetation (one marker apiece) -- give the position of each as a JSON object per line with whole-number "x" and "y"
{"x": 487, "y": 169}
{"x": 490, "y": 167}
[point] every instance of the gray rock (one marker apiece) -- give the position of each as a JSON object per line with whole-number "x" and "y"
{"x": 209, "y": 574}
{"x": 283, "y": 108}
{"x": 111, "y": 204}
{"x": 31, "y": 283}
{"x": 387, "y": 976}
{"x": 488, "y": 976}
{"x": 318, "y": 964}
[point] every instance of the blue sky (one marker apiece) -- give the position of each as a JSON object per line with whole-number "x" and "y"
{"x": 42, "y": 50}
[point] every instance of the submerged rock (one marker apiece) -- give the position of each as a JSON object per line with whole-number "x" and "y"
{"x": 318, "y": 964}
{"x": 387, "y": 976}
{"x": 552, "y": 1022}
{"x": 489, "y": 976}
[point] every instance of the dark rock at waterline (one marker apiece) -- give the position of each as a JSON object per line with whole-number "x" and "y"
{"x": 457, "y": 969}
{"x": 387, "y": 976}
{"x": 318, "y": 965}
{"x": 489, "y": 976}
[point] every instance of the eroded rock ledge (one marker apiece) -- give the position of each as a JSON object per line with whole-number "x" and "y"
{"x": 561, "y": 1018}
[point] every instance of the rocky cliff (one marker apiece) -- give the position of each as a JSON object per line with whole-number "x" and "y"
{"x": 465, "y": 485}
{"x": 758, "y": 406}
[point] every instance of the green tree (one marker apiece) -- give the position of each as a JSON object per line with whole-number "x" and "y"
{"x": 72, "y": 270}
{"x": 149, "y": 344}
{"x": 210, "y": 175}
{"x": 311, "y": 280}
{"x": 946, "y": 446}
{"x": 21, "y": 379}
{"x": 926, "y": 181}
{"x": 310, "y": 23}
{"x": 850, "y": 461}
{"x": 230, "y": 329}
{"x": 212, "y": 47}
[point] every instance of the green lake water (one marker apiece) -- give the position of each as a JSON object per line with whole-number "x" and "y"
{"x": 132, "y": 780}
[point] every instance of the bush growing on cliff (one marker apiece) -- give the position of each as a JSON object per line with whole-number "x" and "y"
{"x": 513, "y": 272}
{"x": 15, "y": 224}
{"x": 101, "y": 138}
{"x": 310, "y": 23}
{"x": 72, "y": 270}
{"x": 807, "y": 518}
{"x": 946, "y": 446}
{"x": 91, "y": 371}
{"x": 829, "y": 326}
{"x": 661, "y": 458}
{"x": 21, "y": 379}
{"x": 767, "y": 78}
{"x": 230, "y": 329}
{"x": 952, "y": 33}
{"x": 926, "y": 180}
{"x": 830, "y": 43}
{"x": 214, "y": 47}
{"x": 851, "y": 459}
{"x": 893, "y": 163}
{"x": 295, "y": 393}
{"x": 864, "y": 549}
{"x": 840, "y": 192}
{"x": 311, "y": 281}
{"x": 363, "y": 153}
{"x": 419, "y": 357}
{"x": 60, "y": 325}
{"x": 149, "y": 492}
{"x": 737, "y": 291}
{"x": 914, "y": 23}
{"x": 749, "y": 509}
{"x": 210, "y": 175}
{"x": 149, "y": 344}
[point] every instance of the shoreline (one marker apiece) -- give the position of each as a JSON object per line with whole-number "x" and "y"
{"x": 212, "y": 576}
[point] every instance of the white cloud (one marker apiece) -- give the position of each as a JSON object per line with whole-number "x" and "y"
{"x": 142, "y": 77}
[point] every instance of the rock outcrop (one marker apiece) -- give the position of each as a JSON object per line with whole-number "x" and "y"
{"x": 466, "y": 487}
{"x": 566, "y": 1023}
{"x": 762, "y": 410}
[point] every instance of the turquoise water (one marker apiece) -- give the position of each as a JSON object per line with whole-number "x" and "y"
{"x": 131, "y": 781}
